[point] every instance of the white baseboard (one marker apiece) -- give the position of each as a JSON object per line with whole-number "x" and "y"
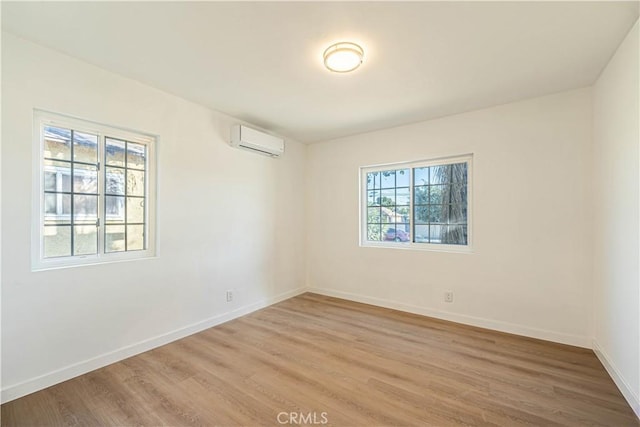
{"x": 496, "y": 325}
{"x": 632, "y": 398}
{"x": 38, "y": 383}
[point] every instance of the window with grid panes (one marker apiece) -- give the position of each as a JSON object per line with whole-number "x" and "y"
{"x": 421, "y": 204}
{"x": 94, "y": 193}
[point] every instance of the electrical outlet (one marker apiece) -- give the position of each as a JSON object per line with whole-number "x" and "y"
{"x": 448, "y": 296}
{"x": 229, "y": 296}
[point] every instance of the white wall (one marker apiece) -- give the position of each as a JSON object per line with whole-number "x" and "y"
{"x": 530, "y": 270}
{"x": 617, "y": 218}
{"x": 227, "y": 219}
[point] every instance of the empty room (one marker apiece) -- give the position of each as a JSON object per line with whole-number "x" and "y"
{"x": 320, "y": 213}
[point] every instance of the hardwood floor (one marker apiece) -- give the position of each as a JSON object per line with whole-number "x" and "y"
{"x": 320, "y": 360}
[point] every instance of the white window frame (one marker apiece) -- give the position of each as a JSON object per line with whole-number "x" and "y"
{"x": 411, "y": 245}
{"x": 38, "y": 261}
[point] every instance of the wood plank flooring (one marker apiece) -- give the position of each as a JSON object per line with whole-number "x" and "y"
{"x": 324, "y": 361}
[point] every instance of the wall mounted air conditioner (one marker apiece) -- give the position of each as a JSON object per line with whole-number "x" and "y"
{"x": 254, "y": 140}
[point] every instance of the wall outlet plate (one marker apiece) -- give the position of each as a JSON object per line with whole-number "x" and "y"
{"x": 448, "y": 296}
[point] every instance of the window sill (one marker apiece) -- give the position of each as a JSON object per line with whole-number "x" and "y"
{"x": 458, "y": 249}
{"x": 90, "y": 260}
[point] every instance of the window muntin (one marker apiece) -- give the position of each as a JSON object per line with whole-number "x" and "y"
{"x": 418, "y": 205}
{"x": 94, "y": 193}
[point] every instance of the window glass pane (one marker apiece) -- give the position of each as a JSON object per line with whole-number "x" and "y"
{"x": 114, "y": 238}
{"x": 57, "y": 241}
{"x": 50, "y": 181}
{"x": 373, "y": 215}
{"x": 421, "y": 195}
{"x": 373, "y": 198}
{"x": 85, "y": 179}
{"x": 57, "y": 143}
{"x": 85, "y": 239}
{"x": 386, "y": 215}
{"x": 85, "y": 147}
{"x": 85, "y": 209}
{"x": 459, "y": 172}
{"x": 114, "y": 152}
{"x": 438, "y": 194}
{"x": 421, "y": 214}
{"x": 402, "y": 233}
{"x": 458, "y": 193}
{"x": 66, "y": 182}
{"x": 135, "y": 209}
{"x": 115, "y": 181}
{"x": 388, "y": 197}
{"x": 135, "y": 183}
{"x": 402, "y": 178}
{"x": 438, "y": 213}
{"x": 440, "y": 174}
{"x": 389, "y": 232}
{"x": 435, "y": 233}
{"x": 421, "y": 234}
{"x": 373, "y": 180}
{"x": 388, "y": 179}
{"x": 65, "y": 201}
{"x": 403, "y": 196}
{"x": 457, "y": 214}
{"x": 114, "y": 209}
{"x": 136, "y": 155}
{"x": 373, "y": 232}
{"x": 50, "y": 204}
{"x": 57, "y": 208}
{"x": 455, "y": 235}
{"x": 135, "y": 237}
{"x": 403, "y": 213}
{"x": 420, "y": 176}
{"x": 57, "y": 176}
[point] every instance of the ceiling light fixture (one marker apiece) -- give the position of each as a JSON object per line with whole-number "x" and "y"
{"x": 343, "y": 57}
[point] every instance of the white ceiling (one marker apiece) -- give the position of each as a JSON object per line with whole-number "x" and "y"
{"x": 262, "y": 62}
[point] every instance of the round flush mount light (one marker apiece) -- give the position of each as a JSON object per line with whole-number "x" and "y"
{"x": 343, "y": 57}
